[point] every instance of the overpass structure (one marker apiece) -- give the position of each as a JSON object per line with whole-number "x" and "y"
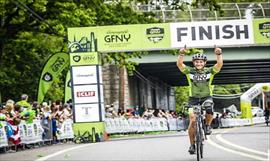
{"x": 241, "y": 65}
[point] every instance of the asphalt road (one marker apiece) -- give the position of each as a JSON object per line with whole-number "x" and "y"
{"x": 234, "y": 144}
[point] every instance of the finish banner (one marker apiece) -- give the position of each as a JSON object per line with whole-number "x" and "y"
{"x": 166, "y": 36}
{"x": 54, "y": 66}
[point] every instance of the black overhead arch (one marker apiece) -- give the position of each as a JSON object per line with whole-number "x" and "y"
{"x": 233, "y": 72}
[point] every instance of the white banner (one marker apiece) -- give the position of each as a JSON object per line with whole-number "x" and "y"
{"x": 87, "y": 112}
{"x": 207, "y": 33}
{"x": 84, "y": 75}
{"x": 3, "y": 135}
{"x": 87, "y": 94}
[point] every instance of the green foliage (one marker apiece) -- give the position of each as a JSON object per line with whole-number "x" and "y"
{"x": 181, "y": 98}
{"x": 56, "y": 91}
{"x": 123, "y": 60}
{"x": 31, "y": 31}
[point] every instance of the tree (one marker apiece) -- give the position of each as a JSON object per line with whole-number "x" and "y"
{"x": 31, "y": 31}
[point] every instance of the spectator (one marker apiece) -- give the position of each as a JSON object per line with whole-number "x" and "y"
{"x": 161, "y": 114}
{"x": 55, "y": 116}
{"x": 46, "y": 122}
{"x": 110, "y": 113}
{"x": 128, "y": 114}
{"x": 36, "y": 108}
{"x": 136, "y": 112}
{"x": 23, "y": 103}
{"x": 13, "y": 121}
{"x": 174, "y": 115}
{"x": 168, "y": 115}
{"x": 216, "y": 122}
{"x": 148, "y": 114}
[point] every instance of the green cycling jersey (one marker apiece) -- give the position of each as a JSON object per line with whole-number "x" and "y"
{"x": 200, "y": 81}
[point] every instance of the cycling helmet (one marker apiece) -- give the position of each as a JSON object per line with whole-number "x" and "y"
{"x": 199, "y": 56}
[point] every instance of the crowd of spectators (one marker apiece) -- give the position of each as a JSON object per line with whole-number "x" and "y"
{"x": 146, "y": 113}
{"x": 51, "y": 116}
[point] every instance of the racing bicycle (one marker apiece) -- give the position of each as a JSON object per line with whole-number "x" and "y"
{"x": 200, "y": 130}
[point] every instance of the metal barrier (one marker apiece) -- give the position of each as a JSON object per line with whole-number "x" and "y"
{"x": 34, "y": 132}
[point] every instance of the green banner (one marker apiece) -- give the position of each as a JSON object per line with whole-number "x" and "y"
{"x": 120, "y": 37}
{"x": 167, "y": 36}
{"x": 84, "y": 58}
{"x": 54, "y": 66}
{"x": 68, "y": 87}
{"x": 261, "y": 28}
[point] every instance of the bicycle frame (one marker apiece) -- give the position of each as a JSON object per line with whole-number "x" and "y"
{"x": 199, "y": 131}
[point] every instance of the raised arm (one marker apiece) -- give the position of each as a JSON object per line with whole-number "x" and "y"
{"x": 219, "y": 58}
{"x": 180, "y": 59}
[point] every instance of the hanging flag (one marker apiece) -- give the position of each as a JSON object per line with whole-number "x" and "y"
{"x": 54, "y": 66}
{"x": 68, "y": 87}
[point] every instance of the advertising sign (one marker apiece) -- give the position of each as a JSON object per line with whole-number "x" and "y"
{"x": 87, "y": 58}
{"x": 84, "y": 74}
{"x": 165, "y": 36}
{"x": 261, "y": 31}
{"x": 87, "y": 112}
{"x": 52, "y": 70}
{"x": 86, "y": 83}
{"x": 87, "y": 94}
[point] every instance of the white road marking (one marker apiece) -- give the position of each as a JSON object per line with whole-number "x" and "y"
{"x": 62, "y": 151}
{"x": 239, "y": 147}
{"x": 236, "y": 152}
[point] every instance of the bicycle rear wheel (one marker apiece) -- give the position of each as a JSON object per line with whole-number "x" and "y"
{"x": 201, "y": 150}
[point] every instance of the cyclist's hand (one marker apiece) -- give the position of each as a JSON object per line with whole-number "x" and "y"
{"x": 218, "y": 50}
{"x": 183, "y": 50}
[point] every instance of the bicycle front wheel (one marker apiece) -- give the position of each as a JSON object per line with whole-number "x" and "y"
{"x": 198, "y": 141}
{"x": 198, "y": 150}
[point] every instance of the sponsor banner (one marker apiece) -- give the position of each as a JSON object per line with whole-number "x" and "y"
{"x": 210, "y": 33}
{"x": 87, "y": 94}
{"x": 120, "y": 37}
{"x": 262, "y": 31}
{"x": 84, "y": 75}
{"x": 85, "y": 58}
{"x": 51, "y": 71}
{"x": 165, "y": 36}
{"x": 87, "y": 112}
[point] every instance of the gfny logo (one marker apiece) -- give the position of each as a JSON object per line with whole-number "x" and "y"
{"x": 265, "y": 29}
{"x": 88, "y": 58}
{"x": 47, "y": 77}
{"x": 155, "y": 34}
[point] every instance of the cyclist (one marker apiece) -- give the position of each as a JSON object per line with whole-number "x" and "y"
{"x": 200, "y": 90}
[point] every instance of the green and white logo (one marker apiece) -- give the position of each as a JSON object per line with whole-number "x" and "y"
{"x": 261, "y": 28}
{"x": 84, "y": 58}
{"x": 155, "y": 34}
{"x": 47, "y": 77}
{"x": 77, "y": 58}
{"x": 264, "y": 29}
